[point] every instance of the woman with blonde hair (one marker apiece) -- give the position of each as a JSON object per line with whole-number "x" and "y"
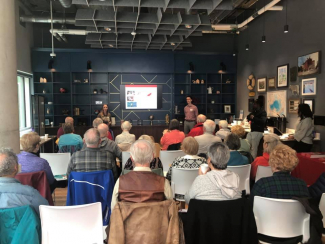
{"x": 240, "y": 132}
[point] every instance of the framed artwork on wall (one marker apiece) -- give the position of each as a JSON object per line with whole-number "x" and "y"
{"x": 261, "y": 84}
{"x": 271, "y": 82}
{"x": 311, "y": 103}
{"x": 227, "y": 109}
{"x": 293, "y": 106}
{"x": 276, "y": 103}
{"x": 47, "y": 122}
{"x": 294, "y": 90}
{"x": 293, "y": 74}
{"x": 309, "y": 64}
{"x": 308, "y": 87}
{"x": 283, "y": 73}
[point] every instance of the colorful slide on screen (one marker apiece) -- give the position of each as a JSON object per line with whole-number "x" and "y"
{"x": 141, "y": 96}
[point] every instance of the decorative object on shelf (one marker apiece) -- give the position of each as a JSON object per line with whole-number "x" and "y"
{"x": 293, "y": 74}
{"x": 44, "y": 91}
{"x": 294, "y": 90}
{"x": 217, "y": 92}
{"x": 251, "y": 94}
{"x": 228, "y": 81}
{"x": 97, "y": 111}
{"x": 308, "y": 87}
{"x": 100, "y": 91}
{"x": 293, "y": 106}
{"x": 191, "y": 67}
{"x": 193, "y": 81}
{"x": 88, "y": 65}
{"x": 48, "y": 111}
{"x": 76, "y": 111}
{"x": 227, "y": 109}
{"x": 212, "y": 101}
{"x": 197, "y": 81}
{"x": 105, "y": 92}
{"x": 113, "y": 120}
{"x": 251, "y": 104}
{"x": 182, "y": 92}
{"x": 63, "y": 90}
{"x": 309, "y": 64}
{"x": 276, "y": 103}
{"x": 223, "y": 68}
{"x": 65, "y": 111}
{"x": 139, "y": 122}
{"x": 176, "y": 109}
{"x": 52, "y": 124}
{"x": 47, "y": 122}
{"x": 210, "y": 89}
{"x": 251, "y": 82}
{"x": 151, "y": 117}
{"x": 261, "y": 84}
{"x": 49, "y": 103}
{"x": 44, "y": 80}
{"x": 86, "y": 80}
{"x": 202, "y": 81}
{"x": 42, "y": 124}
{"x": 283, "y": 72}
{"x": 311, "y": 103}
{"x": 271, "y": 82}
{"x": 167, "y": 119}
{"x": 95, "y": 91}
{"x": 181, "y": 122}
{"x": 98, "y": 102}
{"x": 41, "y": 80}
{"x": 77, "y": 81}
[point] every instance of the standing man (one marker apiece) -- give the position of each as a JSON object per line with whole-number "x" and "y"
{"x": 191, "y": 113}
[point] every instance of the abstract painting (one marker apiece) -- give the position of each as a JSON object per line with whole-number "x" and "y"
{"x": 308, "y": 87}
{"x": 261, "y": 85}
{"x": 283, "y": 72}
{"x": 308, "y": 64}
{"x": 276, "y": 103}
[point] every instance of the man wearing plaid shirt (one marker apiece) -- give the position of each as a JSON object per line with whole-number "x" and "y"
{"x": 281, "y": 185}
{"x": 92, "y": 158}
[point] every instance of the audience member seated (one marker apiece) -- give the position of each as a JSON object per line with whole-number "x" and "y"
{"x": 171, "y": 136}
{"x": 92, "y": 158}
{"x": 317, "y": 189}
{"x": 29, "y": 160}
{"x": 141, "y": 185}
{"x": 218, "y": 183}
{"x": 155, "y": 163}
{"x": 240, "y": 132}
{"x": 190, "y": 161}
{"x": 197, "y": 130}
{"x": 125, "y": 139}
{"x": 12, "y": 193}
{"x": 60, "y": 130}
{"x": 282, "y": 185}
{"x": 208, "y": 137}
{"x": 69, "y": 142}
{"x": 97, "y": 122}
{"x": 270, "y": 142}
{"x": 224, "y": 130}
{"x": 233, "y": 143}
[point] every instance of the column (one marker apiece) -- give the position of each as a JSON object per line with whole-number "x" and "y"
{"x": 9, "y": 117}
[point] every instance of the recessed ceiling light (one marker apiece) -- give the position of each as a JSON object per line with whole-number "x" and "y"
{"x": 110, "y": 45}
{"x": 173, "y": 44}
{"x": 188, "y": 26}
{"x": 107, "y": 29}
{"x": 133, "y": 33}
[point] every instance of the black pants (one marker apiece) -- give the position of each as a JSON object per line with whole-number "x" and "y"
{"x": 302, "y": 147}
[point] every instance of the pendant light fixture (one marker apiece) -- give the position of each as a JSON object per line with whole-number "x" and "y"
{"x": 286, "y": 27}
{"x": 264, "y": 37}
{"x": 247, "y": 45}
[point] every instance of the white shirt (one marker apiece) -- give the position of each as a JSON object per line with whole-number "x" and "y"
{"x": 205, "y": 141}
{"x": 125, "y": 137}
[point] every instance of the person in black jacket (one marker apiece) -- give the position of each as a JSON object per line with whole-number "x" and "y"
{"x": 257, "y": 117}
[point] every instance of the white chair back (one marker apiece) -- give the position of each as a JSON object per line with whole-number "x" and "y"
{"x": 281, "y": 218}
{"x": 125, "y": 157}
{"x": 322, "y": 207}
{"x": 72, "y": 224}
{"x": 243, "y": 171}
{"x": 182, "y": 180}
{"x": 58, "y": 162}
{"x": 263, "y": 171}
{"x": 167, "y": 157}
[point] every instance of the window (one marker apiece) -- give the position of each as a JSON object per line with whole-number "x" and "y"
{"x": 24, "y": 101}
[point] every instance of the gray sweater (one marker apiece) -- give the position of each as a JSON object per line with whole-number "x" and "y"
{"x": 304, "y": 131}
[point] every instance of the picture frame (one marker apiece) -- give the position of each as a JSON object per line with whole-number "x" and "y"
{"x": 271, "y": 82}
{"x": 309, "y": 64}
{"x": 261, "y": 84}
{"x": 311, "y": 103}
{"x": 276, "y": 103}
{"x": 227, "y": 109}
{"x": 308, "y": 87}
{"x": 295, "y": 90}
{"x": 293, "y": 105}
{"x": 47, "y": 122}
{"x": 283, "y": 75}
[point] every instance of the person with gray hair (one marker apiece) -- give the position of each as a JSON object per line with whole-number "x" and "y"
{"x": 223, "y": 129}
{"x": 233, "y": 143}
{"x": 217, "y": 183}
{"x": 92, "y": 158}
{"x": 125, "y": 139}
{"x": 208, "y": 137}
{"x": 141, "y": 184}
{"x": 197, "y": 130}
{"x": 12, "y": 192}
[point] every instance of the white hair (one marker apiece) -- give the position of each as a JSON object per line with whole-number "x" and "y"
{"x": 126, "y": 125}
{"x": 223, "y": 124}
{"x": 219, "y": 155}
{"x": 201, "y": 118}
{"x": 92, "y": 137}
{"x": 142, "y": 151}
{"x": 209, "y": 126}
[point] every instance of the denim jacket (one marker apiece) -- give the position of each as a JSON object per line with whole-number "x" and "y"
{"x": 14, "y": 194}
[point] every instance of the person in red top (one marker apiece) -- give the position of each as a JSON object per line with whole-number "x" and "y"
{"x": 60, "y": 130}
{"x": 197, "y": 130}
{"x": 270, "y": 142}
{"x": 172, "y": 136}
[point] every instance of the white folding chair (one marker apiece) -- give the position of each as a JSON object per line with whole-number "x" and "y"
{"x": 58, "y": 162}
{"x": 322, "y": 207}
{"x": 243, "y": 171}
{"x": 281, "y": 218}
{"x": 167, "y": 158}
{"x": 182, "y": 180}
{"x": 80, "y": 224}
{"x": 125, "y": 157}
{"x": 263, "y": 171}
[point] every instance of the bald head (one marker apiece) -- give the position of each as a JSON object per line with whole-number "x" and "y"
{"x": 68, "y": 120}
{"x": 102, "y": 129}
{"x": 92, "y": 138}
{"x": 201, "y": 118}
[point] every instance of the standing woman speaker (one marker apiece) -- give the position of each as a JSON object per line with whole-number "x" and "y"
{"x": 304, "y": 130}
{"x": 105, "y": 115}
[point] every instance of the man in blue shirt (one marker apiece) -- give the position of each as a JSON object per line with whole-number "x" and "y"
{"x": 12, "y": 192}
